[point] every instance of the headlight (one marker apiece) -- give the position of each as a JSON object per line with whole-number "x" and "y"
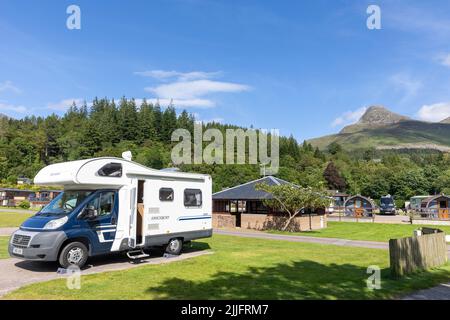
{"x": 55, "y": 224}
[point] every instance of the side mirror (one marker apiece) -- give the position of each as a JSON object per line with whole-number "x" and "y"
{"x": 89, "y": 213}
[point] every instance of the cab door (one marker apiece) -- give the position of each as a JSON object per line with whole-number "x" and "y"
{"x": 103, "y": 226}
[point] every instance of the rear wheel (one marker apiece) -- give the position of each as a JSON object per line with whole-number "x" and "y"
{"x": 74, "y": 253}
{"x": 174, "y": 246}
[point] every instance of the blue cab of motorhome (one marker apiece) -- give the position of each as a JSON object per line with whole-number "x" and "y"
{"x": 77, "y": 216}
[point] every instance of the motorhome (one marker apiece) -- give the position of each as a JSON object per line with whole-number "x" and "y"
{"x": 111, "y": 205}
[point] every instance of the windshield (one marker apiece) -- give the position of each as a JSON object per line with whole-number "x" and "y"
{"x": 64, "y": 203}
{"x": 386, "y": 201}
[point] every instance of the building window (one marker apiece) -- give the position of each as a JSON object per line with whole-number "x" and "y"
{"x": 192, "y": 198}
{"x": 233, "y": 206}
{"x": 111, "y": 170}
{"x": 242, "y": 206}
{"x": 166, "y": 194}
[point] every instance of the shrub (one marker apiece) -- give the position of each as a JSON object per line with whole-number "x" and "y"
{"x": 24, "y": 204}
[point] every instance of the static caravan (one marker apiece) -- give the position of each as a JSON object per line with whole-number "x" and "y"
{"x": 359, "y": 206}
{"x": 111, "y": 205}
{"x": 436, "y": 207}
{"x": 415, "y": 203}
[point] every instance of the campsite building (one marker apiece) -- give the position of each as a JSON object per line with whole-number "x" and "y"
{"x": 338, "y": 200}
{"x": 243, "y": 206}
{"x": 11, "y": 197}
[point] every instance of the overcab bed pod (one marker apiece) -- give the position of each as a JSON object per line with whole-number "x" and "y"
{"x": 359, "y": 206}
{"x": 436, "y": 207}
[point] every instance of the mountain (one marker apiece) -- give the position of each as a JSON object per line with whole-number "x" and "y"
{"x": 374, "y": 117}
{"x": 382, "y": 129}
{"x": 446, "y": 120}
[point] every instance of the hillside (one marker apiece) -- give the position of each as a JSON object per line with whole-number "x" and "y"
{"x": 382, "y": 129}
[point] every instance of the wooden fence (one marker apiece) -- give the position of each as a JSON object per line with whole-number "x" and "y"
{"x": 408, "y": 255}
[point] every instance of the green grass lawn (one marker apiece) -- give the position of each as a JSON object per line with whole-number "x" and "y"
{"x": 12, "y": 219}
{"x": 4, "y": 247}
{"x": 364, "y": 231}
{"x": 244, "y": 268}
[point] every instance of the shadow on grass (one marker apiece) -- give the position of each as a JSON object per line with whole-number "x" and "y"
{"x": 108, "y": 259}
{"x": 296, "y": 280}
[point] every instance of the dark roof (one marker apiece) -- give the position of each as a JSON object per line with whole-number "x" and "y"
{"x": 358, "y": 196}
{"x": 247, "y": 190}
{"x": 436, "y": 197}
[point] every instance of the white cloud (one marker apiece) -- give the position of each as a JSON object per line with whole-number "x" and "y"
{"x": 9, "y": 86}
{"x": 189, "y": 89}
{"x": 405, "y": 83}
{"x": 180, "y": 76}
{"x": 63, "y": 105}
{"x": 179, "y": 103}
{"x": 434, "y": 112}
{"x": 194, "y": 89}
{"x": 349, "y": 117}
{"x": 445, "y": 60}
{"x": 13, "y": 108}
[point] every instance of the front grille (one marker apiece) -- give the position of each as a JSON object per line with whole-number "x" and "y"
{"x": 20, "y": 240}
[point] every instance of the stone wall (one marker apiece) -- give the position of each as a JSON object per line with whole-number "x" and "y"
{"x": 264, "y": 222}
{"x": 223, "y": 220}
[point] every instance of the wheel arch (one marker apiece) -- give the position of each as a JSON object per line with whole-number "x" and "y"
{"x": 83, "y": 240}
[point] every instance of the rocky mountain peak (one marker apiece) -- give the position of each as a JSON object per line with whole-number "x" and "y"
{"x": 380, "y": 115}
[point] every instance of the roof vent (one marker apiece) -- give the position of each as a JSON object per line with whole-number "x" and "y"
{"x": 127, "y": 155}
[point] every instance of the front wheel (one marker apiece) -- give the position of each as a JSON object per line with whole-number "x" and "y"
{"x": 174, "y": 246}
{"x": 74, "y": 253}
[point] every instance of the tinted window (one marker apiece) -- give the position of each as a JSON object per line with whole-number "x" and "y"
{"x": 166, "y": 194}
{"x": 111, "y": 170}
{"x": 192, "y": 198}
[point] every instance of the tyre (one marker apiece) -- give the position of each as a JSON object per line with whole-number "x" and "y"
{"x": 74, "y": 253}
{"x": 174, "y": 246}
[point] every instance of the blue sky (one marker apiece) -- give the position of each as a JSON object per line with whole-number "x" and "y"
{"x": 304, "y": 67}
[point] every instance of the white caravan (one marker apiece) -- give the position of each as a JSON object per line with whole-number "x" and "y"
{"x": 113, "y": 204}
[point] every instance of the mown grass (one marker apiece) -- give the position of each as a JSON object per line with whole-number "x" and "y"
{"x": 4, "y": 247}
{"x": 12, "y": 219}
{"x": 244, "y": 268}
{"x": 364, "y": 231}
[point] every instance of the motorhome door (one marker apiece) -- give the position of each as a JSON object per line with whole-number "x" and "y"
{"x": 133, "y": 220}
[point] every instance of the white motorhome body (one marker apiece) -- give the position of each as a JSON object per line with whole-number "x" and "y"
{"x": 130, "y": 207}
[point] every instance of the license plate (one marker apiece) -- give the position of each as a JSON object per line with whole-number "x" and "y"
{"x": 18, "y": 250}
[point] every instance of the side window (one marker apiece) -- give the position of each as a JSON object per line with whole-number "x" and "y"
{"x": 106, "y": 203}
{"x": 166, "y": 194}
{"x": 111, "y": 170}
{"x": 103, "y": 203}
{"x": 192, "y": 198}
